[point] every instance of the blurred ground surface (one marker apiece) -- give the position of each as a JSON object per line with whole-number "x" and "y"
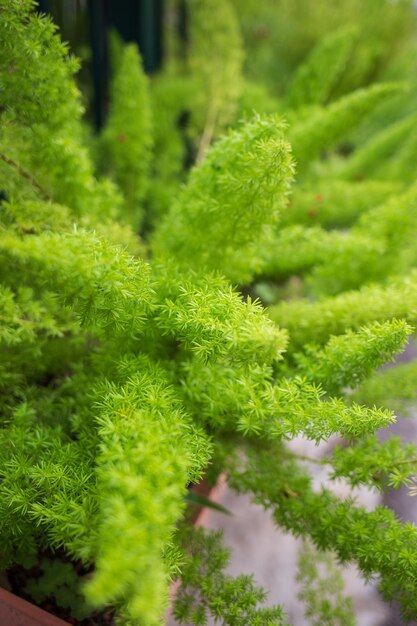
{"x": 260, "y": 548}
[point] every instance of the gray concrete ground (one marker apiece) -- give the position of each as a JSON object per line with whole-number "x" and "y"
{"x": 258, "y": 547}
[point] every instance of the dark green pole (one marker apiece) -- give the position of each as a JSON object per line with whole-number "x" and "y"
{"x": 140, "y": 21}
{"x": 44, "y": 6}
{"x": 99, "y": 58}
{"x": 150, "y": 33}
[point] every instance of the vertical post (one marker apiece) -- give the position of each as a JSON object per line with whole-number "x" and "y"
{"x": 150, "y": 33}
{"x": 44, "y": 6}
{"x": 99, "y": 57}
{"x": 140, "y": 21}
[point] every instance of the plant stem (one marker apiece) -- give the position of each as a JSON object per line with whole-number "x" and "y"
{"x": 26, "y": 175}
{"x": 327, "y": 461}
{"x": 208, "y": 133}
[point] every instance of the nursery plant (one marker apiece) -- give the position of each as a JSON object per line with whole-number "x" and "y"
{"x": 131, "y": 366}
{"x": 278, "y": 34}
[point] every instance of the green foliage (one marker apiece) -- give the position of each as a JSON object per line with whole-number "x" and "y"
{"x": 297, "y": 249}
{"x": 215, "y": 61}
{"x": 59, "y": 581}
{"x": 336, "y": 203}
{"x": 195, "y": 97}
{"x": 393, "y": 388}
{"x": 322, "y": 592}
{"x": 125, "y": 375}
{"x": 391, "y": 228}
{"x": 97, "y": 291}
{"x": 322, "y": 128}
{"x": 126, "y": 141}
{"x": 171, "y": 98}
{"x": 279, "y": 34}
{"x": 41, "y": 133}
{"x": 315, "y": 80}
{"x": 375, "y": 464}
{"x": 227, "y": 199}
{"x": 212, "y": 320}
{"x": 139, "y": 425}
{"x": 206, "y": 588}
{"x": 350, "y": 358}
{"x": 379, "y": 148}
{"x": 376, "y": 540}
{"x": 349, "y": 310}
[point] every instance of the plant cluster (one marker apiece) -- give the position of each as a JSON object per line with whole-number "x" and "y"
{"x": 131, "y": 366}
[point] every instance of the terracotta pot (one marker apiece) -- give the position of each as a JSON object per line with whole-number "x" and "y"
{"x": 17, "y": 612}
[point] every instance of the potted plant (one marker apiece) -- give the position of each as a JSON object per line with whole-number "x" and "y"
{"x": 131, "y": 368}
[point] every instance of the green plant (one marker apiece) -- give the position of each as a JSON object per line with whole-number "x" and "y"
{"x": 61, "y": 582}
{"x": 322, "y": 589}
{"x": 129, "y": 369}
{"x": 279, "y": 34}
{"x": 125, "y": 145}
